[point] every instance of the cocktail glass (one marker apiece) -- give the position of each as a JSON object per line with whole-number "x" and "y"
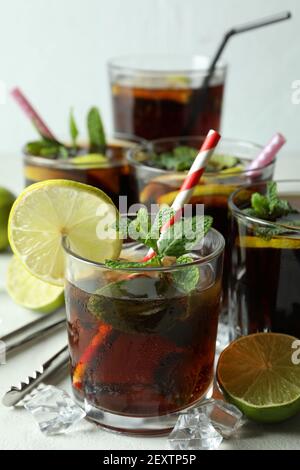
{"x": 155, "y": 96}
{"x": 111, "y": 176}
{"x": 141, "y": 349}
{"x": 264, "y": 281}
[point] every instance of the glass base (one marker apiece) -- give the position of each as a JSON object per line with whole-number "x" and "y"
{"x": 143, "y": 426}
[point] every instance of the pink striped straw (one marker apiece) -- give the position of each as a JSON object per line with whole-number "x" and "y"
{"x": 268, "y": 154}
{"x": 32, "y": 114}
{"x": 191, "y": 181}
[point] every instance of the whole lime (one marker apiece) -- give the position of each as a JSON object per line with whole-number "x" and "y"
{"x": 6, "y": 201}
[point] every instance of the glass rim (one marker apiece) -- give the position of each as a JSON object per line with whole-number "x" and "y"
{"x": 116, "y": 64}
{"x": 129, "y": 142}
{"x": 215, "y": 253}
{"x": 146, "y": 146}
{"x": 267, "y": 223}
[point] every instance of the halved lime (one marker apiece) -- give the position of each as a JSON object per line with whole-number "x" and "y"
{"x": 29, "y": 291}
{"x": 260, "y": 374}
{"x": 49, "y": 210}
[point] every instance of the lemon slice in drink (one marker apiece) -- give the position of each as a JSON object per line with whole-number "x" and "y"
{"x": 260, "y": 374}
{"x": 200, "y": 190}
{"x": 279, "y": 243}
{"x": 47, "y": 211}
{"x": 29, "y": 291}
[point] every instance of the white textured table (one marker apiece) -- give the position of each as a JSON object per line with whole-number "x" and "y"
{"x": 17, "y": 428}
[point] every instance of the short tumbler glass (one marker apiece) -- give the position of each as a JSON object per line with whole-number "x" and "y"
{"x": 142, "y": 349}
{"x": 156, "y": 96}
{"x": 264, "y": 280}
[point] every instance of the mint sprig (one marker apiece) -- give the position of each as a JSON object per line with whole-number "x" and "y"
{"x": 182, "y": 157}
{"x": 269, "y": 207}
{"x": 117, "y": 264}
{"x": 176, "y": 241}
{"x": 186, "y": 279}
{"x": 51, "y": 148}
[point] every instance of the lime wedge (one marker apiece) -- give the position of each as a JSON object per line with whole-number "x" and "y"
{"x": 260, "y": 374}
{"x": 90, "y": 159}
{"x": 29, "y": 292}
{"x": 49, "y": 210}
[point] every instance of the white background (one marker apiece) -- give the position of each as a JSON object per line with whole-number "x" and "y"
{"x": 56, "y": 51}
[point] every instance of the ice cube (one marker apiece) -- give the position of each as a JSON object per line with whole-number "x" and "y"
{"x": 226, "y": 418}
{"x": 194, "y": 431}
{"x": 54, "y": 410}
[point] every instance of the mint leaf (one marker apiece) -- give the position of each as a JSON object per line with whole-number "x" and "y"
{"x": 184, "y": 235}
{"x": 219, "y": 162}
{"x": 179, "y": 159}
{"x": 260, "y": 204}
{"x": 162, "y": 217}
{"x": 182, "y": 157}
{"x": 95, "y": 131}
{"x": 123, "y": 264}
{"x": 73, "y": 128}
{"x": 269, "y": 207}
{"x": 269, "y": 232}
{"x": 186, "y": 279}
{"x": 140, "y": 227}
{"x": 63, "y": 152}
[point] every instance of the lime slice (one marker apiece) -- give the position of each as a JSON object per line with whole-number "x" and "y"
{"x": 90, "y": 159}
{"x": 6, "y": 202}
{"x": 259, "y": 374}
{"x": 178, "y": 81}
{"x": 279, "y": 243}
{"x": 49, "y": 210}
{"x": 29, "y": 292}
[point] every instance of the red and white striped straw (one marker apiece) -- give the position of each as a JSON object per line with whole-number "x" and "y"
{"x": 268, "y": 153}
{"x": 32, "y": 114}
{"x": 191, "y": 181}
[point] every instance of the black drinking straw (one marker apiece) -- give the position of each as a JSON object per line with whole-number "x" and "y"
{"x": 200, "y": 102}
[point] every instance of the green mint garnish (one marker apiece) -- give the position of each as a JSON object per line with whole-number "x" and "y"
{"x": 44, "y": 148}
{"x": 63, "y": 152}
{"x": 184, "y": 235}
{"x": 219, "y": 162}
{"x": 269, "y": 207}
{"x": 95, "y": 131}
{"x": 119, "y": 264}
{"x": 186, "y": 279}
{"x": 182, "y": 157}
{"x": 176, "y": 241}
{"x": 51, "y": 148}
{"x": 73, "y": 128}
